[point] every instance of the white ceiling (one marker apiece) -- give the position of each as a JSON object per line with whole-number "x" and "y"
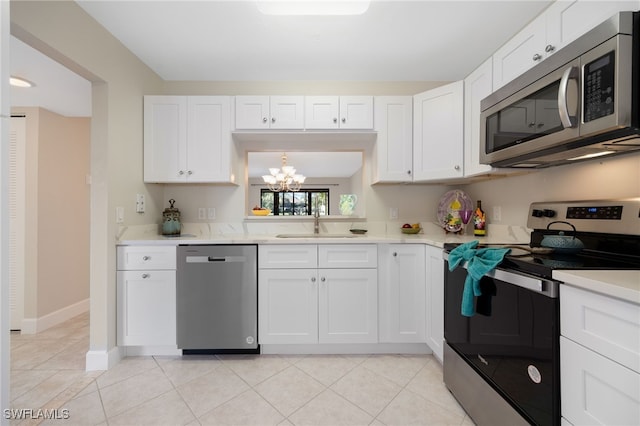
{"x": 213, "y": 40}
{"x": 332, "y": 165}
{"x": 419, "y": 40}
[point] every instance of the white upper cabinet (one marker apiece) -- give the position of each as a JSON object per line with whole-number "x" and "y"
{"x": 438, "y": 133}
{"x": 557, "y": 26}
{"x": 338, "y": 112}
{"x": 477, "y": 86}
{"x": 187, "y": 139}
{"x": 269, "y": 112}
{"x": 393, "y": 151}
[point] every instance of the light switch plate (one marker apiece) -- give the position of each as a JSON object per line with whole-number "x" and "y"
{"x": 119, "y": 214}
{"x": 393, "y": 213}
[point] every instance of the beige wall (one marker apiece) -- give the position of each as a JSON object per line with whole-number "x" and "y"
{"x": 617, "y": 177}
{"x": 57, "y": 222}
{"x": 63, "y": 31}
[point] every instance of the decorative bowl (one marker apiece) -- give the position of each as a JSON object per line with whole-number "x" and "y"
{"x": 410, "y": 230}
{"x": 263, "y": 212}
{"x": 358, "y": 231}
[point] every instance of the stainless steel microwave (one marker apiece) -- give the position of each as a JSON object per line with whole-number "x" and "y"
{"x": 580, "y": 103}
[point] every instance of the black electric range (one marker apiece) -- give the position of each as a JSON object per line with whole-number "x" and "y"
{"x": 609, "y": 230}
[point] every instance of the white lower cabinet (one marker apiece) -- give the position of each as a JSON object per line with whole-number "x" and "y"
{"x": 146, "y": 298}
{"x": 435, "y": 300}
{"x": 302, "y": 305}
{"x": 599, "y": 358}
{"x": 402, "y": 293}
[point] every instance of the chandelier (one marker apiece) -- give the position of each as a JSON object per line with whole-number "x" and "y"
{"x": 283, "y": 179}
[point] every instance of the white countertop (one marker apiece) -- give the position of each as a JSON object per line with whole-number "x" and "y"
{"x": 431, "y": 234}
{"x": 623, "y": 285}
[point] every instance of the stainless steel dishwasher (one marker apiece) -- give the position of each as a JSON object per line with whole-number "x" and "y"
{"x": 217, "y": 299}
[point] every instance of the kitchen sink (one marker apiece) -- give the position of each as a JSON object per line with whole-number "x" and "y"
{"x": 316, "y": 236}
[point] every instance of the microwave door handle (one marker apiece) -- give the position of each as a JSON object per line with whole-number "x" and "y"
{"x": 567, "y": 120}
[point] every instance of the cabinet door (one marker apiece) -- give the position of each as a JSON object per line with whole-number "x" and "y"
{"x": 477, "y": 86}
{"x": 348, "y": 306}
{"x": 321, "y": 112}
{"x": 522, "y": 52}
{"x": 209, "y": 139}
{"x": 146, "y": 308}
{"x": 252, "y": 112}
{"x": 402, "y": 293}
{"x": 287, "y": 306}
{"x": 287, "y": 112}
{"x": 568, "y": 20}
{"x": 595, "y": 390}
{"x": 165, "y": 138}
{"x": 438, "y": 133}
{"x": 435, "y": 300}
{"x": 393, "y": 151}
{"x": 356, "y": 112}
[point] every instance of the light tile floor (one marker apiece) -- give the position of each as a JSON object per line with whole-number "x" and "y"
{"x": 47, "y": 371}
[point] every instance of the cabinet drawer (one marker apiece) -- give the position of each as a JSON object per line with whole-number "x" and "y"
{"x": 596, "y": 390}
{"x": 609, "y": 326}
{"x": 288, "y": 256}
{"x": 146, "y": 258}
{"x": 348, "y": 256}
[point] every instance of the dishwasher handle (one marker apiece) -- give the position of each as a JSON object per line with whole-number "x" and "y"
{"x": 212, "y": 259}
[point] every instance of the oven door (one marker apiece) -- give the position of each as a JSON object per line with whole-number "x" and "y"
{"x": 512, "y": 341}
{"x": 542, "y": 115}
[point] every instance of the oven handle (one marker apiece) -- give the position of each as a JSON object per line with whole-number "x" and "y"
{"x": 547, "y": 288}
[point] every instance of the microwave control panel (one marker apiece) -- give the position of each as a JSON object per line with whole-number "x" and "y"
{"x": 598, "y": 86}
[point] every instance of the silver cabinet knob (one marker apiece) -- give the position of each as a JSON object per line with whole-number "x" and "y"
{"x": 395, "y": 254}
{"x": 189, "y": 172}
{"x": 264, "y": 119}
{"x": 456, "y": 167}
{"x": 408, "y": 172}
{"x": 145, "y": 258}
{"x": 181, "y": 172}
{"x": 335, "y": 120}
{"x": 549, "y": 48}
{"x": 273, "y": 119}
{"x": 344, "y": 120}
{"x": 323, "y": 279}
{"x": 313, "y": 279}
{"x": 537, "y": 57}
{"x": 146, "y": 276}
{"x": 532, "y": 124}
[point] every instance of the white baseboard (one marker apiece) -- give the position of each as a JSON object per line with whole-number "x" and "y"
{"x": 359, "y": 348}
{"x": 103, "y": 360}
{"x": 37, "y": 325}
{"x": 152, "y": 350}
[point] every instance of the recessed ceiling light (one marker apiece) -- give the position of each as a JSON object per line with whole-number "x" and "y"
{"x": 20, "y": 82}
{"x": 313, "y": 7}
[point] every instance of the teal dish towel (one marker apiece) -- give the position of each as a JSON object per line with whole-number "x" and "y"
{"x": 479, "y": 262}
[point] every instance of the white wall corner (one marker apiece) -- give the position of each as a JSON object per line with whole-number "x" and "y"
{"x": 103, "y": 360}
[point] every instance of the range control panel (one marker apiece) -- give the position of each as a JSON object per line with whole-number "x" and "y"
{"x": 599, "y": 212}
{"x": 600, "y": 216}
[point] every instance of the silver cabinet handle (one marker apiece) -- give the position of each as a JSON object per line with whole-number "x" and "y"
{"x": 146, "y": 276}
{"x": 568, "y": 121}
{"x": 273, "y": 119}
{"x": 408, "y": 172}
{"x": 189, "y": 172}
{"x": 146, "y": 258}
{"x": 323, "y": 279}
{"x": 395, "y": 254}
{"x": 181, "y": 172}
{"x": 550, "y": 48}
{"x": 264, "y": 119}
{"x": 344, "y": 120}
{"x": 335, "y": 120}
{"x": 537, "y": 57}
{"x": 313, "y": 279}
{"x": 456, "y": 167}
{"x": 532, "y": 124}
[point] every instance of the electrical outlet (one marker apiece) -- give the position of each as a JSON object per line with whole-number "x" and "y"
{"x": 119, "y": 214}
{"x": 497, "y": 214}
{"x": 202, "y": 213}
{"x": 140, "y": 203}
{"x": 211, "y": 213}
{"x": 393, "y": 213}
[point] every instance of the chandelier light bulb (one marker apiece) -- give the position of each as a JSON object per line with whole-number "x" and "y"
{"x": 284, "y": 178}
